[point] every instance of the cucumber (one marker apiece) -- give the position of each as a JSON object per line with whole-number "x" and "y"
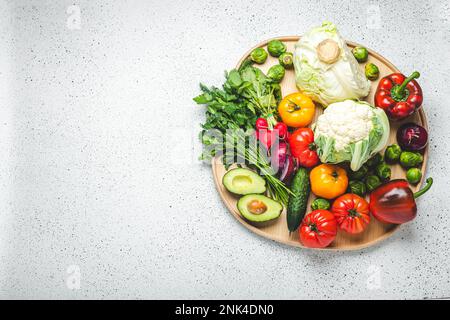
{"x": 298, "y": 200}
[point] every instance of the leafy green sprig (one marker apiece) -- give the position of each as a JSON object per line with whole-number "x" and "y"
{"x": 246, "y": 95}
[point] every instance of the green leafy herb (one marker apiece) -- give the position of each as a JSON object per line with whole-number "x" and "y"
{"x": 231, "y": 114}
{"x": 246, "y": 95}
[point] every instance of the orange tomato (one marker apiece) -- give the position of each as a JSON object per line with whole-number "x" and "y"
{"x": 296, "y": 110}
{"x": 328, "y": 181}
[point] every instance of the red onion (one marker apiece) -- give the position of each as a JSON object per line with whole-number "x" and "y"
{"x": 279, "y": 153}
{"x": 412, "y": 137}
{"x": 286, "y": 165}
{"x": 288, "y": 170}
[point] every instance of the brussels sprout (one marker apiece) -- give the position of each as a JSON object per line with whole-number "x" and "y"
{"x": 259, "y": 55}
{"x": 392, "y": 153}
{"x": 357, "y": 187}
{"x": 383, "y": 171}
{"x": 410, "y": 159}
{"x": 360, "y": 174}
{"x": 413, "y": 175}
{"x": 320, "y": 204}
{"x": 374, "y": 161}
{"x": 276, "y": 48}
{"x": 287, "y": 60}
{"x": 372, "y": 182}
{"x": 276, "y": 73}
{"x": 360, "y": 53}
{"x": 372, "y": 71}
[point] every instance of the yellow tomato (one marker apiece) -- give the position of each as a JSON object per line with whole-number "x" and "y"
{"x": 328, "y": 181}
{"x": 297, "y": 110}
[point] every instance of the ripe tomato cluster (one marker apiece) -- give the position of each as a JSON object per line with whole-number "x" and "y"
{"x": 349, "y": 212}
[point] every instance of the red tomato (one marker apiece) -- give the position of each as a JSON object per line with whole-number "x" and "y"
{"x": 318, "y": 229}
{"x": 303, "y": 147}
{"x": 351, "y": 212}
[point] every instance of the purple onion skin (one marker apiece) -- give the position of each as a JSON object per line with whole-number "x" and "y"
{"x": 280, "y": 153}
{"x": 288, "y": 170}
{"x": 286, "y": 163}
{"x": 412, "y": 137}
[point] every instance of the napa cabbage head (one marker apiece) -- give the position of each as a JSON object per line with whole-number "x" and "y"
{"x": 331, "y": 81}
{"x": 351, "y": 131}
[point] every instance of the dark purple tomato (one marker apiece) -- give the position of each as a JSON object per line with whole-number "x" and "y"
{"x": 412, "y": 137}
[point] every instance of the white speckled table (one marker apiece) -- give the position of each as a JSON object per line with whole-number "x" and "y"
{"x": 101, "y": 195}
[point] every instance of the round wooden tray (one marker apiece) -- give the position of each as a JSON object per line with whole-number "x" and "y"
{"x": 277, "y": 230}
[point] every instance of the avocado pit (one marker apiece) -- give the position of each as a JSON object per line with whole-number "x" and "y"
{"x": 257, "y": 207}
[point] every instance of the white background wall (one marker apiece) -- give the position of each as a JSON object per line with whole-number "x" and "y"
{"x": 96, "y": 113}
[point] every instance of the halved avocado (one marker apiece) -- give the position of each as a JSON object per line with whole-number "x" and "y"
{"x": 259, "y": 208}
{"x": 243, "y": 181}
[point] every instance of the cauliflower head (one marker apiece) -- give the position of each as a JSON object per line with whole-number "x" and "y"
{"x": 350, "y": 131}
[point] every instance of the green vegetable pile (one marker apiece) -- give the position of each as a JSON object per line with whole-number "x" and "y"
{"x": 371, "y": 175}
{"x": 246, "y": 95}
{"x": 408, "y": 160}
{"x": 231, "y": 113}
{"x": 224, "y": 110}
{"x": 377, "y": 171}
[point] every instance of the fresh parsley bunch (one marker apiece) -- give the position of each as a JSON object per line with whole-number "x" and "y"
{"x": 231, "y": 114}
{"x": 246, "y": 95}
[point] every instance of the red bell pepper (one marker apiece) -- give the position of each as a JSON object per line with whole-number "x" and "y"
{"x": 394, "y": 202}
{"x": 399, "y": 96}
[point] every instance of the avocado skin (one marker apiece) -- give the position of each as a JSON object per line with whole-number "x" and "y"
{"x": 298, "y": 200}
{"x": 274, "y": 208}
{"x": 258, "y": 184}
